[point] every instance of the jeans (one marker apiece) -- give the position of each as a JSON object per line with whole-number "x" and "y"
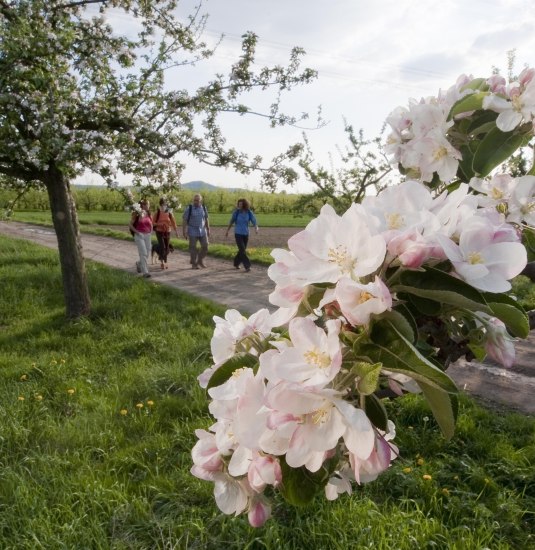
{"x": 241, "y": 257}
{"x": 197, "y": 255}
{"x": 143, "y": 242}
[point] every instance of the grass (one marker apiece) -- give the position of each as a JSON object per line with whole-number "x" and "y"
{"x": 98, "y": 420}
{"x": 122, "y": 218}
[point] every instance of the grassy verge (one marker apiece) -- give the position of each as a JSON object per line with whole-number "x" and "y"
{"x": 98, "y": 420}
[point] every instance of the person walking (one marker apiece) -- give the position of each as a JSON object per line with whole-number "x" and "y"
{"x": 141, "y": 227}
{"x": 241, "y": 218}
{"x": 196, "y": 228}
{"x": 164, "y": 221}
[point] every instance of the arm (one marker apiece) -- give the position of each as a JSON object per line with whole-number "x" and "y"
{"x": 231, "y": 223}
{"x": 133, "y": 219}
{"x": 253, "y": 221}
{"x": 173, "y": 223}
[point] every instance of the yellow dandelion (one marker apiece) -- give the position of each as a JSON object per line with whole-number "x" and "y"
{"x": 487, "y": 480}
{"x": 39, "y": 397}
{"x": 24, "y": 377}
{"x": 33, "y": 365}
{"x": 420, "y": 461}
{"x": 62, "y": 361}
{"x": 123, "y": 412}
{"x": 445, "y": 491}
{"x": 150, "y": 402}
{"x": 456, "y": 478}
{"x": 427, "y": 477}
{"x": 407, "y": 470}
{"x": 21, "y": 398}
{"x": 139, "y": 405}
{"x": 71, "y": 391}
{"x": 53, "y": 362}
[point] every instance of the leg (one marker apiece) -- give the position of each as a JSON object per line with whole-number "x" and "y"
{"x": 142, "y": 247}
{"x": 203, "y": 251}
{"x": 166, "y": 239}
{"x": 240, "y": 256}
{"x": 193, "y": 251}
{"x": 161, "y": 245}
{"x": 246, "y": 261}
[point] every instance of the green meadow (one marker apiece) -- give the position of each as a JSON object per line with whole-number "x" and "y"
{"x": 98, "y": 419}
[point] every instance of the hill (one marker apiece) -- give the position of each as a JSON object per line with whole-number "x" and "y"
{"x": 200, "y": 185}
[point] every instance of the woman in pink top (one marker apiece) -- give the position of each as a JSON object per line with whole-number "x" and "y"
{"x": 141, "y": 226}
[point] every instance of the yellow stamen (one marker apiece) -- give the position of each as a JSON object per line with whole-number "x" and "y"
{"x": 394, "y": 221}
{"x": 496, "y": 194}
{"x": 317, "y": 358}
{"x": 341, "y": 258}
{"x": 440, "y": 153}
{"x": 364, "y": 297}
{"x": 321, "y": 415}
{"x": 475, "y": 258}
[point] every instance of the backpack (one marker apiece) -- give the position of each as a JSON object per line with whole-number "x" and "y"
{"x": 189, "y": 212}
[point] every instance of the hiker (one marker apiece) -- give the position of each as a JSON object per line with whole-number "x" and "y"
{"x": 164, "y": 221}
{"x": 141, "y": 228}
{"x": 242, "y": 217}
{"x": 195, "y": 227}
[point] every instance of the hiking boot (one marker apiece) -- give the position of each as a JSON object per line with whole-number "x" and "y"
{"x": 202, "y": 264}
{"x": 146, "y": 275}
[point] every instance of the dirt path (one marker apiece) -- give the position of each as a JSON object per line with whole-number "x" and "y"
{"x": 248, "y": 292}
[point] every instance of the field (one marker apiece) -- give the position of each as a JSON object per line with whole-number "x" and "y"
{"x": 99, "y": 419}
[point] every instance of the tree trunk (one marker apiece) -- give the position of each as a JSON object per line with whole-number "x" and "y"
{"x": 65, "y": 219}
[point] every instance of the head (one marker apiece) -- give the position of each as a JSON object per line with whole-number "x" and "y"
{"x": 163, "y": 203}
{"x": 243, "y": 204}
{"x": 197, "y": 199}
{"x": 144, "y": 203}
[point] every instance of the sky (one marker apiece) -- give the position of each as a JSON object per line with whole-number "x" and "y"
{"x": 370, "y": 57}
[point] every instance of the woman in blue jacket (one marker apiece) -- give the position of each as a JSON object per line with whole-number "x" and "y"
{"x": 241, "y": 218}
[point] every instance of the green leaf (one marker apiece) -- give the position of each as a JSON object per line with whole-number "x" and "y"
{"x": 515, "y": 320}
{"x": 376, "y": 412}
{"x": 476, "y": 84}
{"x": 402, "y": 319}
{"x": 495, "y": 148}
{"x": 472, "y": 102}
{"x": 528, "y": 239}
{"x": 299, "y": 486}
{"x": 444, "y": 407}
{"x": 368, "y": 375}
{"x": 441, "y": 287}
{"x": 225, "y": 371}
{"x": 399, "y": 355}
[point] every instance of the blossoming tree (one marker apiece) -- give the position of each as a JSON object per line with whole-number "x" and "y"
{"x": 75, "y": 96}
{"x": 374, "y": 301}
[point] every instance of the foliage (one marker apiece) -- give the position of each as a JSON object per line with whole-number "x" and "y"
{"x": 91, "y": 466}
{"x": 77, "y": 96}
{"x": 376, "y": 302}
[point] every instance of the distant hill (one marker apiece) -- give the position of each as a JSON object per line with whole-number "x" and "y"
{"x": 204, "y": 186}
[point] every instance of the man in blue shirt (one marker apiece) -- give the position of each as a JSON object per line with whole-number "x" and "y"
{"x": 242, "y": 217}
{"x": 195, "y": 227}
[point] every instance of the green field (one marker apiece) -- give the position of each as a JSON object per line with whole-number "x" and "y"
{"x": 98, "y": 419}
{"x": 123, "y": 218}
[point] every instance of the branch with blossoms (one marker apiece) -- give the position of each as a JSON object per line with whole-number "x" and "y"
{"x": 380, "y": 299}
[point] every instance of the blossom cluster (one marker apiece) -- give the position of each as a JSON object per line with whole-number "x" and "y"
{"x": 376, "y": 301}
{"x": 422, "y": 142}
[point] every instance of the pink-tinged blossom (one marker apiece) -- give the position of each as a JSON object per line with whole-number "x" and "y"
{"x": 259, "y": 511}
{"x": 313, "y": 358}
{"x": 264, "y": 470}
{"x": 480, "y": 260}
{"x": 497, "y": 84}
{"x": 499, "y": 345}
{"x": 397, "y": 209}
{"x": 205, "y": 453}
{"x": 518, "y": 105}
{"x": 410, "y": 248}
{"x": 522, "y": 203}
{"x": 231, "y": 495}
{"x": 333, "y": 246}
{"x": 359, "y": 302}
